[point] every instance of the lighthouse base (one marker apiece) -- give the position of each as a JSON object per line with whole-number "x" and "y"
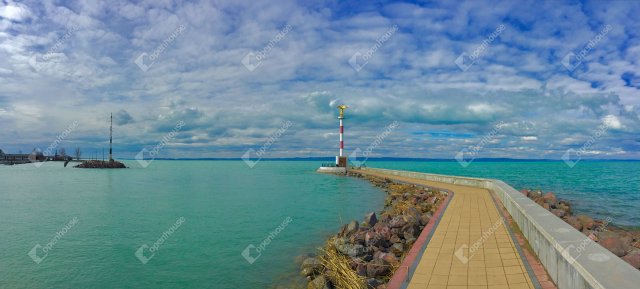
{"x": 333, "y": 170}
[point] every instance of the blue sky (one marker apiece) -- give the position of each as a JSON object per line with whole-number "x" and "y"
{"x": 519, "y": 79}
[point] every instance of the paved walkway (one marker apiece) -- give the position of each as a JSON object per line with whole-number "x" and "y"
{"x": 470, "y": 248}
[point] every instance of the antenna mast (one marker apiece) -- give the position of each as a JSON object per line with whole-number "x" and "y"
{"x": 111, "y": 139}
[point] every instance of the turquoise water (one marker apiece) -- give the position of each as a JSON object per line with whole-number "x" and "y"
{"x": 215, "y": 209}
{"x": 598, "y": 188}
{"x": 226, "y": 206}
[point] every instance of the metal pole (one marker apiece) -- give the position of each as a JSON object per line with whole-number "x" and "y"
{"x": 111, "y": 139}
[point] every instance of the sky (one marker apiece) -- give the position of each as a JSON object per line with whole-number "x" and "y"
{"x": 509, "y": 79}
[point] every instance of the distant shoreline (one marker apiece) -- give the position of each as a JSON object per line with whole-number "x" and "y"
{"x": 486, "y": 160}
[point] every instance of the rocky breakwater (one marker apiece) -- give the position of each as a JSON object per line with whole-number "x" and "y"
{"x": 101, "y": 165}
{"x": 623, "y": 242}
{"x": 365, "y": 254}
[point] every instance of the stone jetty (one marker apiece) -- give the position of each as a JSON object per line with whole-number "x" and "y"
{"x": 370, "y": 250}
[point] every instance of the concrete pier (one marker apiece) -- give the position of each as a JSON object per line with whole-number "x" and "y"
{"x": 572, "y": 260}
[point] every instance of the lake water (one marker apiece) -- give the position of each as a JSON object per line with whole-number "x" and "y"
{"x": 202, "y": 215}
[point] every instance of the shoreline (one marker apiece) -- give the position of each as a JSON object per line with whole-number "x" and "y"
{"x": 622, "y": 241}
{"x": 366, "y": 254}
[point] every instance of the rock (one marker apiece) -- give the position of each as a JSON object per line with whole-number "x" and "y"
{"x": 397, "y": 222}
{"x": 377, "y": 268}
{"x": 432, "y": 200}
{"x": 411, "y": 215}
{"x": 390, "y": 259}
{"x": 395, "y": 239}
{"x": 397, "y": 248}
{"x": 373, "y": 239}
{"x": 559, "y": 213}
{"x": 425, "y": 218}
{"x": 371, "y": 219}
{"x": 352, "y": 228}
{"x": 358, "y": 238}
{"x": 311, "y": 263}
{"x": 546, "y": 206}
{"x": 319, "y": 282}
{"x": 573, "y": 221}
{"x": 373, "y": 283}
{"x": 550, "y": 198}
{"x": 633, "y": 259}
{"x": 525, "y": 192}
{"x": 361, "y": 269}
{"x": 585, "y": 221}
{"x": 409, "y": 242}
{"x": 410, "y": 231}
{"x": 382, "y": 229}
{"x": 615, "y": 245}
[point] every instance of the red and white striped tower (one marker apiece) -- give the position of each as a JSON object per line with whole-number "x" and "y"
{"x": 341, "y": 118}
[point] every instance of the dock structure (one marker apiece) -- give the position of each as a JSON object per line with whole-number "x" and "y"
{"x": 470, "y": 243}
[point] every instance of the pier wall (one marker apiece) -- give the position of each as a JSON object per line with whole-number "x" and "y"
{"x": 572, "y": 260}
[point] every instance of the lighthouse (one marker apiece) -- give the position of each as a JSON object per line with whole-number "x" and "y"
{"x": 341, "y": 160}
{"x": 340, "y": 167}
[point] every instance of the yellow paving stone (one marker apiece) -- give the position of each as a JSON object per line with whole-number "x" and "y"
{"x": 477, "y": 280}
{"x": 516, "y": 278}
{"x": 496, "y": 280}
{"x": 512, "y": 270}
{"x": 511, "y": 262}
{"x": 416, "y": 285}
{"x": 519, "y": 286}
{"x": 437, "y": 286}
{"x": 421, "y": 278}
{"x": 438, "y": 280}
{"x": 457, "y": 280}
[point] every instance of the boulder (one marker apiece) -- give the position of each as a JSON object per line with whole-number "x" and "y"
{"x": 615, "y": 245}
{"x": 371, "y": 219}
{"x": 373, "y": 239}
{"x": 573, "y": 221}
{"x": 586, "y": 222}
{"x": 373, "y": 283}
{"x": 397, "y": 248}
{"x": 361, "y": 269}
{"x": 425, "y": 218}
{"x": 633, "y": 259}
{"x": 525, "y": 192}
{"x": 377, "y": 268}
{"x": 546, "y": 206}
{"x": 311, "y": 266}
{"x": 559, "y": 213}
{"x": 352, "y": 228}
{"x": 390, "y": 259}
{"x": 397, "y": 222}
{"x": 550, "y": 198}
{"x": 319, "y": 282}
{"x": 395, "y": 239}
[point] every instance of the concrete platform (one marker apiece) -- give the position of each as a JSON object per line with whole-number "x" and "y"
{"x": 333, "y": 170}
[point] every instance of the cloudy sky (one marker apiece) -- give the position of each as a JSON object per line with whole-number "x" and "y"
{"x": 215, "y": 78}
